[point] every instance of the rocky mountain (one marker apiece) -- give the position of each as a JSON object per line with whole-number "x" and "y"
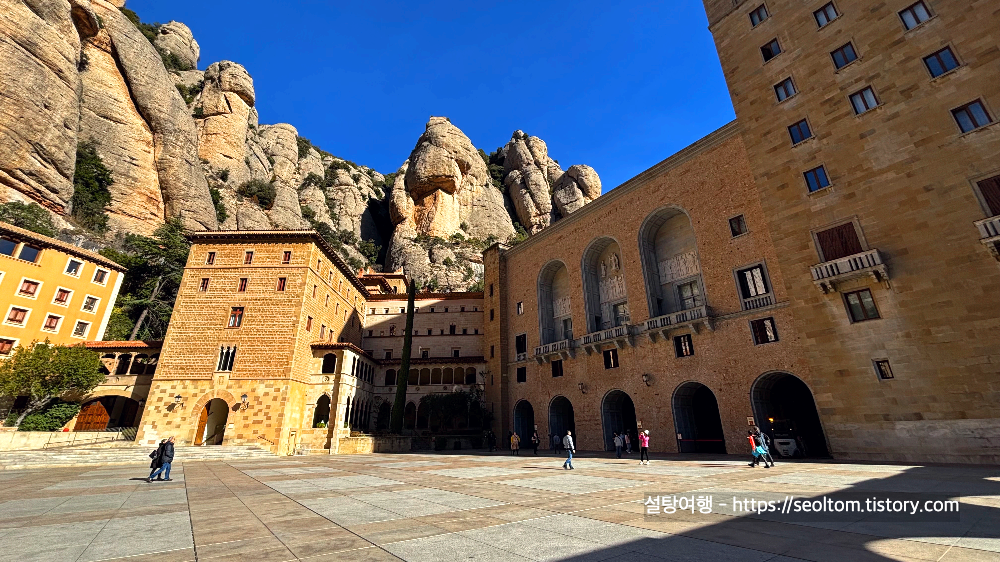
{"x": 185, "y": 143}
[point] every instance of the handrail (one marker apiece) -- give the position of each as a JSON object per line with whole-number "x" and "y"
{"x": 848, "y": 264}
{"x": 989, "y": 228}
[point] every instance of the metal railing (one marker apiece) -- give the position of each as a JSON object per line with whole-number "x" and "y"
{"x": 861, "y": 262}
{"x": 59, "y": 439}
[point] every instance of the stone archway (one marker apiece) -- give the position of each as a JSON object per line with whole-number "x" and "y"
{"x": 561, "y": 418}
{"x": 618, "y": 416}
{"x": 212, "y": 423}
{"x": 524, "y": 420}
{"x": 697, "y": 420}
{"x": 784, "y": 408}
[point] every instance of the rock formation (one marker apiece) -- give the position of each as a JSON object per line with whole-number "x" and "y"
{"x": 176, "y": 39}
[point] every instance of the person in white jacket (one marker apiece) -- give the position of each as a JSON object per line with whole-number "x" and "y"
{"x": 567, "y": 443}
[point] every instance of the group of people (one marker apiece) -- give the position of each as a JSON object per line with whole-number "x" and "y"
{"x": 759, "y": 447}
{"x": 162, "y": 457}
{"x": 515, "y": 442}
{"x": 622, "y": 443}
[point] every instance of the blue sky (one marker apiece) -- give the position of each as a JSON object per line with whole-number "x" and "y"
{"x": 616, "y": 85}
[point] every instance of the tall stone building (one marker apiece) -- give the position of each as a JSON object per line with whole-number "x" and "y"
{"x": 871, "y": 133}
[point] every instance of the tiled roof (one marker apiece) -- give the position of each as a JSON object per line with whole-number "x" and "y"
{"x": 23, "y": 234}
{"x": 129, "y": 344}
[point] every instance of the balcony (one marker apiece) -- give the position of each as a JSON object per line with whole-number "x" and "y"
{"x": 619, "y": 335}
{"x": 556, "y": 350}
{"x": 693, "y": 318}
{"x": 826, "y": 275}
{"x": 989, "y": 234}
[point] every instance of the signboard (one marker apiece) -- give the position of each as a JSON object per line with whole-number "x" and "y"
{"x": 750, "y": 421}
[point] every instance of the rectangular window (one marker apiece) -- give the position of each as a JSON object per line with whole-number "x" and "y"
{"x": 227, "y": 356}
{"x": 492, "y": 314}
{"x": 7, "y": 247}
{"x": 611, "y": 358}
{"x": 403, "y": 311}
{"x": 817, "y": 179}
{"x": 6, "y": 347}
{"x": 81, "y": 329}
{"x": 430, "y": 332}
{"x": 309, "y": 325}
{"x": 248, "y": 258}
{"x": 784, "y": 89}
{"x": 16, "y": 316}
{"x": 203, "y": 286}
{"x": 683, "y": 346}
{"x": 915, "y": 15}
{"x": 522, "y": 374}
{"x": 520, "y": 308}
{"x": 844, "y": 56}
{"x": 826, "y": 14}
{"x": 451, "y": 330}
{"x": 491, "y": 289}
{"x": 763, "y": 331}
{"x": 758, "y": 15}
{"x": 492, "y": 351}
{"x": 861, "y": 305}
{"x": 101, "y": 276}
{"x": 754, "y": 287}
{"x": 557, "y": 368}
{"x": 800, "y": 132}
{"x": 282, "y": 281}
{"x": 388, "y": 354}
{"x": 90, "y": 303}
{"x": 864, "y": 101}
{"x": 286, "y": 257}
{"x": 28, "y": 288}
{"x": 971, "y": 116}
{"x": 882, "y": 369}
{"x": 521, "y": 344}
{"x": 990, "y": 191}
{"x": 73, "y": 267}
{"x": 465, "y": 331}
{"x": 210, "y": 259}
{"x": 838, "y": 242}
{"x": 236, "y": 317}
{"x": 242, "y": 287}
{"x": 62, "y": 296}
{"x": 322, "y": 331}
{"x": 29, "y": 253}
{"x": 456, "y": 352}
{"x": 689, "y": 295}
{"x": 738, "y": 226}
{"x": 314, "y": 291}
{"x": 941, "y": 62}
{"x": 51, "y": 322}
{"x": 424, "y": 353}
{"x": 463, "y": 309}
{"x": 771, "y": 50}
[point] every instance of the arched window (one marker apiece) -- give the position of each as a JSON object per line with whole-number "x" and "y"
{"x": 322, "y": 416}
{"x": 124, "y": 361}
{"x": 410, "y": 416}
{"x": 347, "y": 413}
{"x": 425, "y": 376}
{"x": 670, "y": 263}
{"x": 555, "y": 320}
{"x": 154, "y": 360}
{"x": 390, "y": 377}
{"x": 330, "y": 363}
{"x": 470, "y": 375}
{"x": 604, "y": 286}
{"x": 436, "y": 375}
{"x": 448, "y": 376}
{"x": 139, "y": 365}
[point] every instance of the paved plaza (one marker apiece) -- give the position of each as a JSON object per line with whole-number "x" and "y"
{"x": 477, "y": 507}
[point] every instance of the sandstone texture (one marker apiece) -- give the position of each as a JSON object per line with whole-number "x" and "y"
{"x": 176, "y": 39}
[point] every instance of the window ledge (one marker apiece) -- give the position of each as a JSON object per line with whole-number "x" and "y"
{"x": 878, "y": 107}
{"x": 919, "y": 26}
{"x": 978, "y": 129}
{"x": 848, "y": 66}
{"x": 945, "y": 75}
{"x": 791, "y": 97}
{"x": 740, "y": 235}
{"x": 804, "y": 142}
{"x": 821, "y": 191}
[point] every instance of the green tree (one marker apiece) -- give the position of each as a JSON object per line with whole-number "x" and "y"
{"x": 396, "y": 419}
{"x": 53, "y": 417}
{"x": 155, "y": 267}
{"x": 43, "y": 372}
{"x": 261, "y": 192}
{"x": 220, "y": 209}
{"x": 29, "y": 216}
{"x": 91, "y": 195}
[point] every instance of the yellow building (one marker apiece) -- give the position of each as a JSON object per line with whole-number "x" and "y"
{"x": 52, "y": 290}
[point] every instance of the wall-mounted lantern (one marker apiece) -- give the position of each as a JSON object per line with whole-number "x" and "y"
{"x": 646, "y": 378}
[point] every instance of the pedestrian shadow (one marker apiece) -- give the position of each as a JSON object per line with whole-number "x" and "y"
{"x": 856, "y": 537}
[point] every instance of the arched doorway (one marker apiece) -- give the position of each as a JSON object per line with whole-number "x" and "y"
{"x": 670, "y": 263}
{"x": 322, "y": 416}
{"x": 410, "y": 416}
{"x": 212, "y": 423}
{"x": 384, "y": 414}
{"x": 524, "y": 421}
{"x": 618, "y": 414}
{"x": 108, "y": 412}
{"x": 784, "y": 408}
{"x": 330, "y": 363}
{"x": 697, "y": 420}
{"x": 561, "y": 418}
{"x": 555, "y": 321}
{"x": 604, "y": 295}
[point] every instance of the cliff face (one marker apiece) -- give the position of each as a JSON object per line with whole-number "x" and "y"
{"x": 88, "y": 71}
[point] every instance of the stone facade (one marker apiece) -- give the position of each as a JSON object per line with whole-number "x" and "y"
{"x": 909, "y": 183}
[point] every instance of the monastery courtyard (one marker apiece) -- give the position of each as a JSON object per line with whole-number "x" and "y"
{"x": 479, "y": 507}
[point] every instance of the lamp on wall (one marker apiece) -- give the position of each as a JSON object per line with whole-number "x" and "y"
{"x": 582, "y": 387}
{"x": 243, "y": 402}
{"x": 177, "y": 399}
{"x": 647, "y": 379}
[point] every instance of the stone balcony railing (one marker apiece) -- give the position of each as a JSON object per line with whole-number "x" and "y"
{"x": 989, "y": 234}
{"x": 693, "y": 318}
{"x": 826, "y": 275}
{"x": 561, "y": 349}
{"x": 619, "y": 335}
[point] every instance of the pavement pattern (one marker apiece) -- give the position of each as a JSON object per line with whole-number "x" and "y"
{"x": 426, "y": 507}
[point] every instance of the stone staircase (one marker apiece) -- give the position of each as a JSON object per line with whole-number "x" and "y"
{"x": 123, "y": 454}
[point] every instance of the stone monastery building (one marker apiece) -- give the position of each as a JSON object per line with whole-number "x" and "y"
{"x": 825, "y": 267}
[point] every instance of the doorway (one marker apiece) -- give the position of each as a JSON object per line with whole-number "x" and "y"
{"x": 697, "y": 420}
{"x": 212, "y": 423}
{"x": 561, "y": 418}
{"x": 618, "y": 414}
{"x": 524, "y": 421}
{"x": 784, "y": 408}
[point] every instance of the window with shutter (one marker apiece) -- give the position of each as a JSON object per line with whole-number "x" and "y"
{"x": 990, "y": 190}
{"x": 838, "y": 242}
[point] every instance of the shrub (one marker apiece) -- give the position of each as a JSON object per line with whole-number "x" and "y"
{"x": 307, "y": 213}
{"x": 91, "y": 181}
{"x": 259, "y": 191}
{"x": 448, "y": 262}
{"x": 348, "y": 237}
{"x": 312, "y": 180}
{"x": 494, "y": 164}
{"x": 84, "y": 62}
{"x": 220, "y": 210}
{"x": 369, "y": 250}
{"x": 149, "y": 30}
{"x": 172, "y": 62}
{"x": 199, "y": 112}
{"x": 29, "y": 216}
{"x": 52, "y": 418}
{"x": 224, "y": 174}
{"x": 190, "y": 92}
{"x": 304, "y": 146}
{"x": 477, "y": 287}
{"x": 520, "y": 235}
{"x": 355, "y": 263}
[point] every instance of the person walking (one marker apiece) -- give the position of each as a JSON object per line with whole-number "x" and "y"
{"x": 618, "y": 445}
{"x": 166, "y": 451}
{"x": 567, "y": 443}
{"x": 535, "y": 440}
{"x": 556, "y": 441}
{"x": 628, "y": 444}
{"x": 644, "y": 446}
{"x": 157, "y": 457}
{"x": 754, "y": 449}
{"x": 760, "y": 439}
{"x": 515, "y": 444}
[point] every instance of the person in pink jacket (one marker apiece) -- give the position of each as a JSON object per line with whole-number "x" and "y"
{"x": 644, "y": 446}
